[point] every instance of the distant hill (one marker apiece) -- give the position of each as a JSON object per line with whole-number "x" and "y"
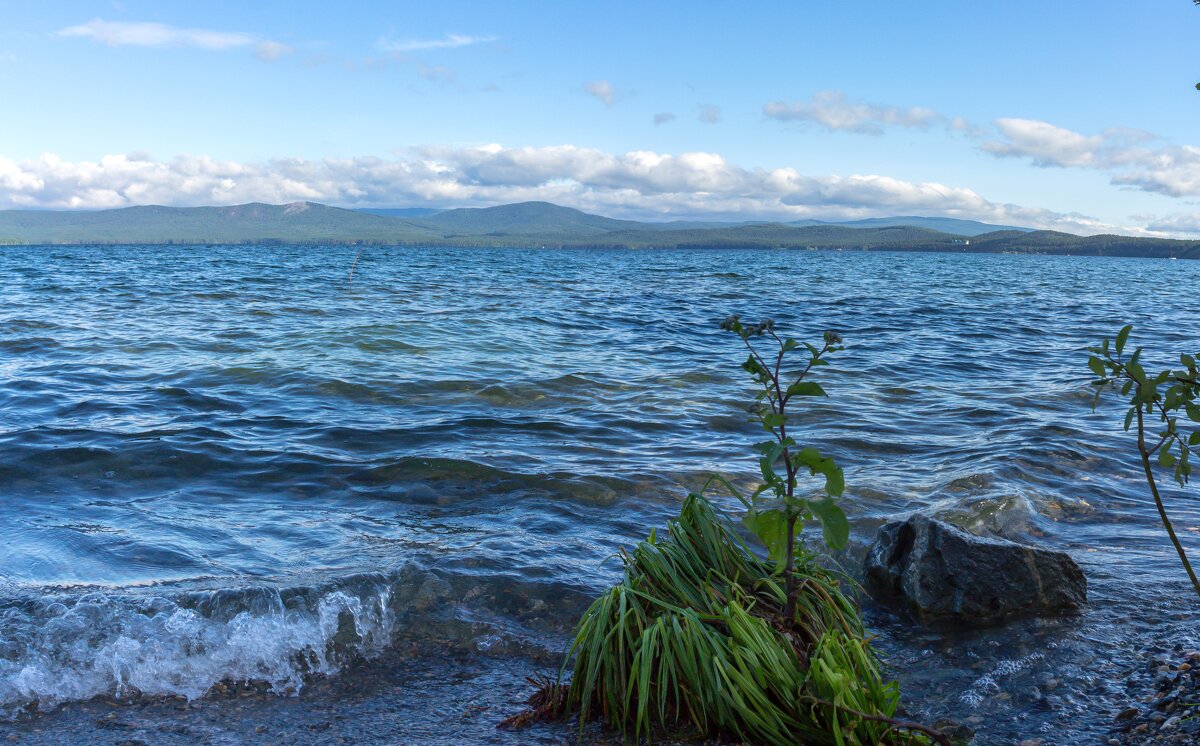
{"x": 541, "y": 225}
{"x": 531, "y": 217}
{"x": 401, "y": 212}
{"x": 307, "y": 221}
{"x": 524, "y": 218}
{"x": 953, "y": 226}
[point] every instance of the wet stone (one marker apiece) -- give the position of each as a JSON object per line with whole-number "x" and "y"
{"x": 941, "y": 572}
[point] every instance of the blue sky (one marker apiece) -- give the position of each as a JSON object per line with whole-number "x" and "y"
{"x": 1071, "y": 115}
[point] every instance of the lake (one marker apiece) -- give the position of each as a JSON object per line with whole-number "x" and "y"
{"x": 394, "y": 497}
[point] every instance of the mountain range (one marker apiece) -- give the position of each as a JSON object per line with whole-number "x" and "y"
{"x": 541, "y": 224}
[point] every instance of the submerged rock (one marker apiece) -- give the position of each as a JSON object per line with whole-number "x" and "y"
{"x": 943, "y": 572}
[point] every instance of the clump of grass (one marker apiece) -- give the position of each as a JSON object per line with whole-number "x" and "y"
{"x": 694, "y": 637}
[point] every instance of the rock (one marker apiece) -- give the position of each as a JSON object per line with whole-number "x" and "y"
{"x": 943, "y": 572}
{"x": 1127, "y": 714}
{"x": 955, "y": 731}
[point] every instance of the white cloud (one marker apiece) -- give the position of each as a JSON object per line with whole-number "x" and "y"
{"x": 1045, "y": 144}
{"x": 1174, "y": 170}
{"x": 833, "y": 111}
{"x": 663, "y": 117}
{"x": 708, "y": 113}
{"x": 1132, "y": 158}
{"x": 269, "y": 51}
{"x": 641, "y": 184}
{"x": 450, "y": 41}
{"x": 1181, "y": 224}
{"x": 962, "y": 126}
{"x": 140, "y": 34}
{"x": 602, "y": 90}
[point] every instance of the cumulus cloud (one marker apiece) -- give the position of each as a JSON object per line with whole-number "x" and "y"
{"x": 269, "y": 51}
{"x": 1132, "y": 158}
{"x": 708, "y": 113}
{"x": 833, "y": 111}
{"x": 450, "y": 41}
{"x": 640, "y": 183}
{"x": 1181, "y": 224}
{"x": 1045, "y": 144}
{"x": 1174, "y": 171}
{"x": 962, "y": 126}
{"x": 663, "y": 117}
{"x": 140, "y": 34}
{"x": 602, "y": 90}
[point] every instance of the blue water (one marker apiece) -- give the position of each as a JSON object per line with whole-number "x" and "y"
{"x": 225, "y": 463}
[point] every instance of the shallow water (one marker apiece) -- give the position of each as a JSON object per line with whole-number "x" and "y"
{"x": 225, "y": 463}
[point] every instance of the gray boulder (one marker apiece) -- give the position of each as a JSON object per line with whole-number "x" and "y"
{"x": 944, "y": 573}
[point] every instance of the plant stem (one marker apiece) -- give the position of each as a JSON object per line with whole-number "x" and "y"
{"x": 933, "y": 733}
{"x": 1162, "y": 511}
{"x": 789, "y": 579}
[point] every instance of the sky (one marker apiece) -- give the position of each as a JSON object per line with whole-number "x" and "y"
{"x": 1071, "y": 115}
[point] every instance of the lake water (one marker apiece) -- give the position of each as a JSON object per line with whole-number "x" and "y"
{"x": 226, "y": 463}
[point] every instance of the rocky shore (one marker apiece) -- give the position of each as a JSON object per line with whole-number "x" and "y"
{"x": 1165, "y": 704}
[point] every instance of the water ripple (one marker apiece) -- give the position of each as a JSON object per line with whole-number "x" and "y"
{"x": 238, "y": 418}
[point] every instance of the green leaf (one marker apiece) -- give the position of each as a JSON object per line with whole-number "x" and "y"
{"x": 1135, "y": 371}
{"x": 834, "y": 526}
{"x": 1194, "y": 440}
{"x": 1188, "y": 361}
{"x": 835, "y": 480}
{"x": 1123, "y": 337}
{"x": 1193, "y": 411}
{"x": 789, "y": 344}
{"x": 774, "y": 419}
{"x": 767, "y": 463}
{"x": 770, "y": 526}
{"x": 1097, "y": 366}
{"x": 1171, "y": 400}
{"x": 1166, "y": 458}
{"x": 1129, "y": 417}
{"x": 806, "y": 388}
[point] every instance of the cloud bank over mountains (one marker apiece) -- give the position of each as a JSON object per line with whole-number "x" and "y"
{"x": 636, "y": 184}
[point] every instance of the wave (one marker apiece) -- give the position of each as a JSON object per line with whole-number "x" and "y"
{"x": 69, "y": 646}
{"x": 58, "y": 650}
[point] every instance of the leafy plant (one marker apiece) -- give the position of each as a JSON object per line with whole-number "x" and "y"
{"x": 774, "y": 509}
{"x": 693, "y": 636}
{"x": 702, "y": 632}
{"x": 1155, "y": 403}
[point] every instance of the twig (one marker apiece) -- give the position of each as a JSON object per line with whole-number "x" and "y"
{"x": 895, "y": 723}
{"x": 356, "y": 256}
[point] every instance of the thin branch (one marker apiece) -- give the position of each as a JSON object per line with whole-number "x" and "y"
{"x": 1162, "y": 511}
{"x": 933, "y": 733}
